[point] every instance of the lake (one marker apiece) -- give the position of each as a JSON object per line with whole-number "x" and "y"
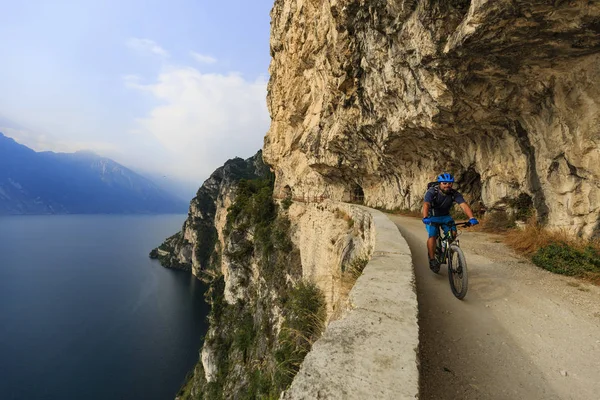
{"x": 85, "y": 313}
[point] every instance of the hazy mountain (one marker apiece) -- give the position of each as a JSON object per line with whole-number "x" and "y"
{"x": 184, "y": 190}
{"x": 74, "y": 183}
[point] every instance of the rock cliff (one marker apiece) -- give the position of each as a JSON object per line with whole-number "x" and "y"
{"x": 277, "y": 272}
{"x": 374, "y": 98}
{"x": 197, "y": 246}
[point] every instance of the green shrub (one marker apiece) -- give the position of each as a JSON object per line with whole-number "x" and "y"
{"x": 243, "y": 251}
{"x": 205, "y": 244}
{"x": 215, "y": 296}
{"x": 280, "y": 235}
{"x": 254, "y": 201}
{"x": 244, "y": 334}
{"x": 498, "y": 221}
{"x": 246, "y": 346}
{"x": 564, "y": 259}
{"x": 522, "y": 206}
{"x": 286, "y": 203}
{"x": 355, "y": 267}
{"x": 260, "y": 387}
{"x": 305, "y": 319}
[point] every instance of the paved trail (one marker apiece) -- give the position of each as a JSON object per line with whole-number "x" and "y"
{"x": 521, "y": 332}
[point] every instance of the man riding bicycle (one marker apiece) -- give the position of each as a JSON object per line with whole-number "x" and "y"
{"x": 436, "y": 208}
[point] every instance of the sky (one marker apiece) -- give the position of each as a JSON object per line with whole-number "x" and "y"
{"x": 171, "y": 88}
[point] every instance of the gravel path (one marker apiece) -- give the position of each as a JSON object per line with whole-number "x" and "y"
{"x": 520, "y": 333}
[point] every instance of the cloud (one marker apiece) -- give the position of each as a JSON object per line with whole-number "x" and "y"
{"x": 146, "y": 45}
{"x": 203, "y": 119}
{"x": 132, "y": 81}
{"x": 203, "y": 59}
{"x": 38, "y": 142}
{"x": 44, "y": 142}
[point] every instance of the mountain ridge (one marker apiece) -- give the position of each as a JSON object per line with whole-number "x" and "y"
{"x": 75, "y": 183}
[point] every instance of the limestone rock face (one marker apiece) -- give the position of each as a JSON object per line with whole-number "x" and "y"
{"x": 331, "y": 236}
{"x": 198, "y": 245}
{"x": 378, "y": 97}
{"x": 207, "y": 358}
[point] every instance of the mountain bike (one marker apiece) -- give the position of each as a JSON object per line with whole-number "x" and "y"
{"x": 447, "y": 250}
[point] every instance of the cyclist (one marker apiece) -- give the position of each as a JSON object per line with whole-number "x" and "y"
{"x": 436, "y": 208}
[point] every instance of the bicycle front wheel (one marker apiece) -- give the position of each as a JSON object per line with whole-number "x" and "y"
{"x": 457, "y": 272}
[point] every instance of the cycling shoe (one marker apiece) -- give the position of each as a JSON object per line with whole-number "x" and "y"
{"x": 434, "y": 265}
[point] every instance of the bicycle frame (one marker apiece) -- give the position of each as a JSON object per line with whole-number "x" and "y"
{"x": 447, "y": 247}
{"x": 444, "y": 241}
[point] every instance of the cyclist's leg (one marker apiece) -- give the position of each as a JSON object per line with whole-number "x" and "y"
{"x": 432, "y": 232}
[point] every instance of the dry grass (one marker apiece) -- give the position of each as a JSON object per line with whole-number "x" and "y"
{"x": 407, "y": 212}
{"x": 535, "y": 241}
{"x": 410, "y": 213}
{"x": 349, "y": 276}
{"x": 304, "y": 324}
{"x": 533, "y": 237}
{"x": 400, "y": 211}
{"x": 341, "y": 214}
{"x": 594, "y": 279}
{"x": 495, "y": 222}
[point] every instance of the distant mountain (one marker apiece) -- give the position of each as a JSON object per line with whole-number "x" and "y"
{"x": 183, "y": 189}
{"x": 75, "y": 183}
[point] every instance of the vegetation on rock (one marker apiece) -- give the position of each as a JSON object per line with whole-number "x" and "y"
{"x": 259, "y": 341}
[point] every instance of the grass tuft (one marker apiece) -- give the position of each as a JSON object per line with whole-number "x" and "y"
{"x": 496, "y": 222}
{"x": 305, "y": 321}
{"x": 341, "y": 214}
{"x": 533, "y": 237}
{"x": 350, "y": 273}
{"x": 564, "y": 259}
{"x": 400, "y": 211}
{"x": 557, "y": 251}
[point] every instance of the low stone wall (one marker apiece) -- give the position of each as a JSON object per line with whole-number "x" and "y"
{"x": 371, "y": 352}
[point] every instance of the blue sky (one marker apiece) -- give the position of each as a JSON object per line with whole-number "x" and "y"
{"x": 174, "y": 86}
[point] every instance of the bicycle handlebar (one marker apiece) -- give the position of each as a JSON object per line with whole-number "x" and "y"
{"x": 465, "y": 224}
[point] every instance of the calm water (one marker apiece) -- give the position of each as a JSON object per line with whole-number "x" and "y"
{"x": 84, "y": 313}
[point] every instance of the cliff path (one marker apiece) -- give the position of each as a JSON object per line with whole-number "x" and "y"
{"x": 520, "y": 333}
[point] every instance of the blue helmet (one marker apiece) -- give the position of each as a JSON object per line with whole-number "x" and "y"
{"x": 445, "y": 177}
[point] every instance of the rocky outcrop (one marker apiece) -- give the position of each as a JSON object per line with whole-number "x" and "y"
{"x": 197, "y": 246}
{"x": 374, "y": 98}
{"x": 277, "y": 272}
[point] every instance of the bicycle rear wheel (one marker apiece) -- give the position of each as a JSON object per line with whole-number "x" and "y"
{"x": 457, "y": 272}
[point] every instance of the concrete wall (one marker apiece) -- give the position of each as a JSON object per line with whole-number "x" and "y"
{"x": 371, "y": 352}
